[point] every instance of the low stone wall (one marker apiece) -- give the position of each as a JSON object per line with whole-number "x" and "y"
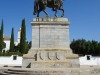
{"x": 10, "y": 60}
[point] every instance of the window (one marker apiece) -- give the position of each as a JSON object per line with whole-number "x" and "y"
{"x": 14, "y": 57}
{"x": 88, "y": 57}
{"x": 4, "y": 51}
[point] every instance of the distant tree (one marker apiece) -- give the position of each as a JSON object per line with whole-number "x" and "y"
{"x": 4, "y": 45}
{"x": 17, "y": 48}
{"x": 78, "y": 46}
{"x": 2, "y": 28}
{"x": 1, "y": 36}
{"x": 81, "y": 46}
{"x": 95, "y": 48}
{"x": 12, "y": 41}
{"x": 30, "y": 44}
{"x": 98, "y": 49}
{"x": 23, "y": 37}
{"x": 88, "y": 47}
{"x": 26, "y": 47}
{"x": 0, "y": 41}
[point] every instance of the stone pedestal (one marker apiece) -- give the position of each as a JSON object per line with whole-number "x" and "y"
{"x": 50, "y": 45}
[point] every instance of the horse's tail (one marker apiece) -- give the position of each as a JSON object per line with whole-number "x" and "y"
{"x": 35, "y": 7}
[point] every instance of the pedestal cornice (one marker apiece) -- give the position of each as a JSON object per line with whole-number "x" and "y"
{"x": 50, "y": 21}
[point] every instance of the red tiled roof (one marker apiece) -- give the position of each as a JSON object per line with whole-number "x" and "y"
{"x": 6, "y": 38}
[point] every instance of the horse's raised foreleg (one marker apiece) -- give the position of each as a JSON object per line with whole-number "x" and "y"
{"x": 56, "y": 13}
{"x": 62, "y": 12}
{"x": 46, "y": 13}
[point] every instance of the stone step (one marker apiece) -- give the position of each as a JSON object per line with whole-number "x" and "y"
{"x": 7, "y": 74}
{"x": 3, "y": 73}
{"x": 14, "y": 72}
{"x": 50, "y": 71}
{"x": 32, "y": 73}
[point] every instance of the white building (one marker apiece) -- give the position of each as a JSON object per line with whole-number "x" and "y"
{"x": 18, "y": 38}
{"x": 13, "y": 60}
{"x": 89, "y": 61}
{"x": 7, "y": 41}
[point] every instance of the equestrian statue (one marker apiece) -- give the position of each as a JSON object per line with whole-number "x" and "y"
{"x": 40, "y": 5}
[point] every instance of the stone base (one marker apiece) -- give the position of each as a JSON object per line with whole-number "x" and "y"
{"x": 54, "y": 64}
{"x": 50, "y": 58}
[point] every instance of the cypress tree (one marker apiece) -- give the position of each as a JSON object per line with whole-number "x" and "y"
{"x": 0, "y": 41}
{"x": 23, "y": 37}
{"x": 1, "y": 36}
{"x": 30, "y": 44}
{"x": 12, "y": 41}
{"x": 2, "y": 27}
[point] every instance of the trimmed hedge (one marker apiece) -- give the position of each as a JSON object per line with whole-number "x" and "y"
{"x": 10, "y": 53}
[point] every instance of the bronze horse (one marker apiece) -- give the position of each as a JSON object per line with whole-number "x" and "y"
{"x": 40, "y": 5}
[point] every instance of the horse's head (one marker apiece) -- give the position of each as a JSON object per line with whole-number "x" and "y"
{"x": 35, "y": 7}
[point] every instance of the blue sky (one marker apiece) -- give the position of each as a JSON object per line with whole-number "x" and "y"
{"x": 84, "y": 16}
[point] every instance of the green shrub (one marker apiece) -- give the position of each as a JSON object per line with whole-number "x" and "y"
{"x": 10, "y": 53}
